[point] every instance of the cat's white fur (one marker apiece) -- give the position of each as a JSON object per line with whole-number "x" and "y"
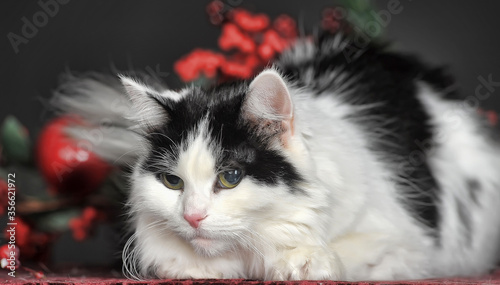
{"x": 344, "y": 228}
{"x": 349, "y": 225}
{"x": 464, "y": 152}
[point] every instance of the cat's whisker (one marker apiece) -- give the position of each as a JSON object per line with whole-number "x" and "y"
{"x": 129, "y": 254}
{"x": 128, "y": 164}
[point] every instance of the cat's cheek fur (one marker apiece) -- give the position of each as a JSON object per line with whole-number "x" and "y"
{"x": 147, "y": 190}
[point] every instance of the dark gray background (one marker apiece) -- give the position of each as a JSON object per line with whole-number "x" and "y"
{"x": 93, "y": 35}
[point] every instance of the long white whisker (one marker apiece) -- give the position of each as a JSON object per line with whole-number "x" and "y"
{"x": 129, "y": 254}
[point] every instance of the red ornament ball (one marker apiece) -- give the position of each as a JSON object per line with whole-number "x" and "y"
{"x": 69, "y": 166}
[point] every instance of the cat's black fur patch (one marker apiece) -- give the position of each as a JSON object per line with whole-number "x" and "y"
{"x": 378, "y": 76}
{"x": 474, "y": 187}
{"x": 465, "y": 219}
{"x": 239, "y": 146}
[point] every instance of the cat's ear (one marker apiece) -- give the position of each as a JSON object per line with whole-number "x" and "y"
{"x": 268, "y": 104}
{"x": 149, "y": 107}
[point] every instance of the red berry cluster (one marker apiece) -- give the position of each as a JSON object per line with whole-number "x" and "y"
{"x": 250, "y": 39}
{"x": 31, "y": 243}
{"x": 331, "y": 19}
{"x": 9, "y": 256}
{"x": 83, "y": 225}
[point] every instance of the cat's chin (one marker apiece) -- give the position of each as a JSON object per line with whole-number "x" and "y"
{"x": 208, "y": 247}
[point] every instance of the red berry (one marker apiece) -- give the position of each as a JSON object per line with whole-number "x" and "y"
{"x": 331, "y": 19}
{"x": 39, "y": 275}
{"x": 249, "y": 22}
{"x": 214, "y": 10}
{"x": 69, "y": 166}
{"x": 80, "y": 235}
{"x": 266, "y": 52}
{"x": 7, "y": 250}
{"x": 215, "y": 7}
{"x": 23, "y": 233}
{"x": 89, "y": 214}
{"x": 241, "y": 66}
{"x": 82, "y": 226}
{"x": 237, "y": 70}
{"x": 492, "y": 117}
{"x": 271, "y": 44}
{"x": 198, "y": 61}
{"x": 79, "y": 228}
{"x": 273, "y": 39}
{"x": 232, "y": 37}
{"x": 9, "y": 256}
{"x": 216, "y": 19}
{"x": 286, "y": 26}
{"x": 330, "y": 25}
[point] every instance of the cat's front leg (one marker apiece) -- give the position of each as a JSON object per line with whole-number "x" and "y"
{"x": 307, "y": 262}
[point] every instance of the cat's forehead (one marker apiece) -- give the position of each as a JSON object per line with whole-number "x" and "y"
{"x": 213, "y": 114}
{"x": 213, "y": 96}
{"x": 212, "y": 107}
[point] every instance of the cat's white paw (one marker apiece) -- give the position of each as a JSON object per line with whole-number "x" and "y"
{"x": 308, "y": 263}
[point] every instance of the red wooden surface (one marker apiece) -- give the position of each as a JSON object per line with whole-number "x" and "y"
{"x": 25, "y": 278}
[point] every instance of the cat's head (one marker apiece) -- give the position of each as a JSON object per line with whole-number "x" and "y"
{"x": 219, "y": 161}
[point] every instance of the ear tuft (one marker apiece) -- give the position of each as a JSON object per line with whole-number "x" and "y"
{"x": 148, "y": 106}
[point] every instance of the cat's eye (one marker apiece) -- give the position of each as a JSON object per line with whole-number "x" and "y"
{"x": 171, "y": 181}
{"x": 230, "y": 178}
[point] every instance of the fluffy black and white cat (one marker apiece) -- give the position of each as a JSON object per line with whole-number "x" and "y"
{"x": 324, "y": 166}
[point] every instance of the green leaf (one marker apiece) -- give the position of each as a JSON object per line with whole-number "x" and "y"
{"x": 361, "y": 13}
{"x": 56, "y": 221}
{"x": 15, "y": 140}
{"x": 30, "y": 182}
{"x": 3, "y": 174}
{"x": 202, "y": 81}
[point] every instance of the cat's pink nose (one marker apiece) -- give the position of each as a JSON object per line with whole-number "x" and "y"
{"x": 194, "y": 219}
